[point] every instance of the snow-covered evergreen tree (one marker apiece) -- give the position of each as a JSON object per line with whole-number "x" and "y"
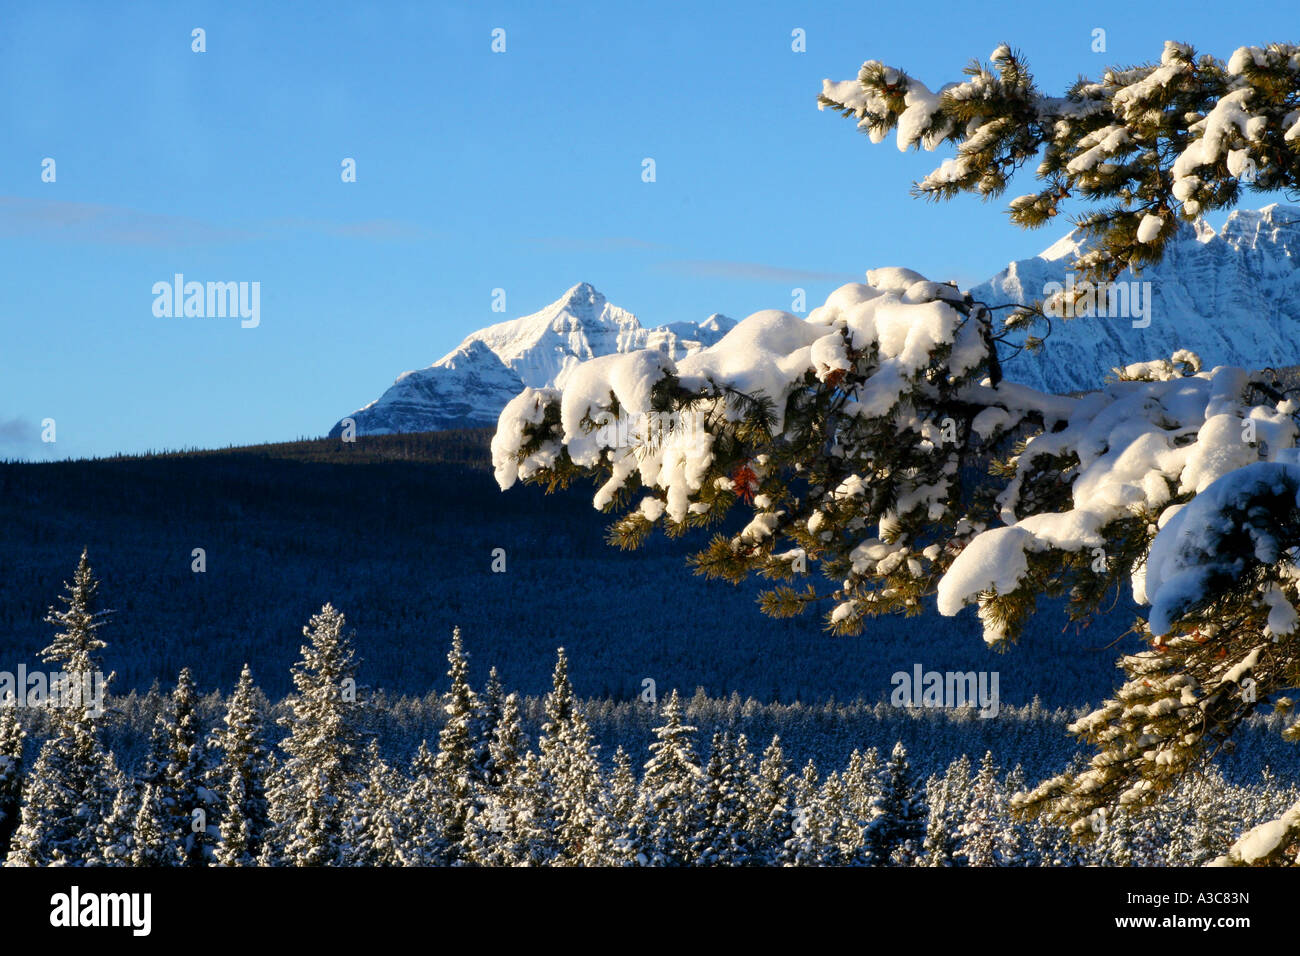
{"x": 459, "y": 750}
{"x": 490, "y": 707}
{"x": 153, "y": 842}
{"x": 423, "y": 842}
{"x": 669, "y": 809}
{"x": 182, "y": 781}
{"x": 513, "y": 827}
{"x": 503, "y": 819}
{"x": 372, "y": 831}
{"x": 618, "y": 830}
{"x": 69, "y": 794}
{"x": 773, "y": 815}
{"x": 310, "y": 790}
{"x": 1113, "y": 845}
{"x": 944, "y": 797}
{"x": 723, "y": 838}
{"x": 116, "y": 835}
{"x": 897, "y": 828}
{"x": 984, "y": 831}
{"x": 240, "y": 778}
{"x": 158, "y": 755}
{"x": 1052, "y": 845}
{"x": 843, "y": 831}
{"x": 508, "y": 744}
{"x": 11, "y": 773}
{"x": 73, "y": 784}
{"x": 806, "y": 846}
{"x": 572, "y": 771}
{"x": 1213, "y": 820}
{"x": 861, "y": 781}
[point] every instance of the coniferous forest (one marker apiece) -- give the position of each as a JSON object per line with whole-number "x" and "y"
{"x": 332, "y": 775}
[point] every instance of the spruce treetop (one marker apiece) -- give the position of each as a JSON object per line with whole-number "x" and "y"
{"x": 75, "y": 646}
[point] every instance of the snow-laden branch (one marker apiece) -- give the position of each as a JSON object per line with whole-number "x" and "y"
{"x": 1171, "y": 139}
{"x": 1264, "y": 844}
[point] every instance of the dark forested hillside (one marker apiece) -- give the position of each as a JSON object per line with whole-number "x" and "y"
{"x": 398, "y": 532}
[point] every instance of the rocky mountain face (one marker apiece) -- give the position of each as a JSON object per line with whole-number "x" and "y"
{"x": 1233, "y": 297}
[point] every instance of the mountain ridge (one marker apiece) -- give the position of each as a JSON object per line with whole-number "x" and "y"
{"x": 1231, "y": 296}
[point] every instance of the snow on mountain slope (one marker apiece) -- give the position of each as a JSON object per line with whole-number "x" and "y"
{"x": 463, "y": 390}
{"x": 470, "y": 386}
{"x": 1231, "y": 297}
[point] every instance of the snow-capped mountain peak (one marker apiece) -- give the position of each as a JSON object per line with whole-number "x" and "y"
{"x": 579, "y": 325}
{"x": 584, "y": 295}
{"x": 1065, "y": 248}
{"x": 1274, "y": 225}
{"x": 471, "y": 384}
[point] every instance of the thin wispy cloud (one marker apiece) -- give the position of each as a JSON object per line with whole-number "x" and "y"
{"x": 103, "y": 224}
{"x": 18, "y": 431}
{"x": 25, "y": 218}
{"x": 365, "y": 229}
{"x": 605, "y": 244}
{"x": 750, "y": 271}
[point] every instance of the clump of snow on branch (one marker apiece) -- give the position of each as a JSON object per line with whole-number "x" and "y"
{"x": 1189, "y": 553}
{"x": 1263, "y": 843}
{"x": 1138, "y": 444}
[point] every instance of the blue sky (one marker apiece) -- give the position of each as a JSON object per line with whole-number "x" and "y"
{"x": 475, "y": 170}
